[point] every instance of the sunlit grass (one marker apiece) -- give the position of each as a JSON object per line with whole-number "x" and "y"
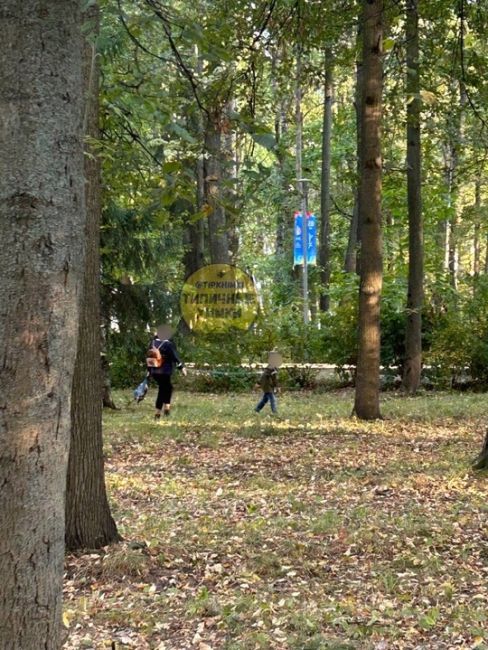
{"x": 307, "y": 530}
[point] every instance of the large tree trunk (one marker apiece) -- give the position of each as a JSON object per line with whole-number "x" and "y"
{"x": 42, "y": 233}
{"x": 413, "y": 339}
{"x": 217, "y": 233}
{"x": 324, "y": 251}
{"x": 89, "y": 523}
{"x": 368, "y": 368}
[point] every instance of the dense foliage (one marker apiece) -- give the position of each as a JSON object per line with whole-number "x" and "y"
{"x": 175, "y": 74}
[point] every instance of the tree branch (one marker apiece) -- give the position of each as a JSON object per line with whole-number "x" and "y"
{"x": 157, "y": 9}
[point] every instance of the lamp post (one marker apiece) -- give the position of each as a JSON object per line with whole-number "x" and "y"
{"x": 304, "y": 191}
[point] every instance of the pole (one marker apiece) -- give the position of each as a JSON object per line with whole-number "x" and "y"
{"x": 304, "y": 188}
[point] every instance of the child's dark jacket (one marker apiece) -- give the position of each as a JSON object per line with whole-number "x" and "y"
{"x": 269, "y": 380}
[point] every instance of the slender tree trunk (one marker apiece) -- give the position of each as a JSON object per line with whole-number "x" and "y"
{"x": 351, "y": 260}
{"x": 283, "y": 218}
{"x": 194, "y": 231}
{"x": 89, "y": 523}
{"x": 279, "y": 130}
{"x": 231, "y": 196}
{"x": 324, "y": 251}
{"x": 298, "y": 121}
{"x": 300, "y": 186}
{"x": 368, "y": 368}
{"x": 218, "y": 242}
{"x": 486, "y": 255}
{"x": 413, "y": 339}
{"x": 194, "y": 255}
{"x": 42, "y": 218}
{"x": 477, "y": 228}
{"x": 456, "y": 146}
{"x": 445, "y": 224}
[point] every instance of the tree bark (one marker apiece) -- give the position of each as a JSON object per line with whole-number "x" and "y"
{"x": 413, "y": 338}
{"x": 324, "y": 251}
{"x": 230, "y": 175}
{"x": 107, "y": 399}
{"x": 217, "y": 233}
{"x": 368, "y": 367}
{"x": 42, "y": 233}
{"x": 195, "y": 231}
{"x": 194, "y": 235}
{"x": 481, "y": 462}
{"x": 89, "y": 523}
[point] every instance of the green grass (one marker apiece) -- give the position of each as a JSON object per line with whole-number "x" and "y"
{"x": 307, "y": 530}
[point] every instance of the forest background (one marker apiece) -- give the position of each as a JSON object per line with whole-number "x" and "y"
{"x": 209, "y": 114}
{"x": 200, "y": 119}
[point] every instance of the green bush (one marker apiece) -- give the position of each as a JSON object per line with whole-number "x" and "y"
{"x": 222, "y": 379}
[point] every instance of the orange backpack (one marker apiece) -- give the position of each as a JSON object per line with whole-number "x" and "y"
{"x": 154, "y": 358}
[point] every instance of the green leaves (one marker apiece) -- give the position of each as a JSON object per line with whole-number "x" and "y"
{"x": 266, "y": 140}
{"x": 182, "y": 133}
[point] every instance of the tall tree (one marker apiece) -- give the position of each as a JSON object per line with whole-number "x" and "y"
{"x": 477, "y": 228}
{"x": 217, "y": 232}
{"x": 413, "y": 338}
{"x": 324, "y": 251}
{"x": 366, "y": 405}
{"x": 42, "y": 233}
{"x": 89, "y": 523}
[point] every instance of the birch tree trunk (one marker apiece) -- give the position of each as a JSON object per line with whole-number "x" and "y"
{"x": 366, "y": 404}
{"x": 42, "y": 233}
{"x": 413, "y": 339}
{"x": 89, "y": 523}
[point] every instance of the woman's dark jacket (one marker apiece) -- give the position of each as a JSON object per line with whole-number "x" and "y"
{"x": 170, "y": 357}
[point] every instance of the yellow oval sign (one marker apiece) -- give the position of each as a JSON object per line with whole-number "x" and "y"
{"x": 219, "y": 298}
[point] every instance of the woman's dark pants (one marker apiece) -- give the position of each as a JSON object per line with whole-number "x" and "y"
{"x": 165, "y": 390}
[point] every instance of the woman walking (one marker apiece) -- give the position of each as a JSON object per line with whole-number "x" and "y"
{"x": 161, "y": 360}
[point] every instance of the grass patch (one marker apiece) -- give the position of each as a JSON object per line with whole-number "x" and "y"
{"x": 310, "y": 530}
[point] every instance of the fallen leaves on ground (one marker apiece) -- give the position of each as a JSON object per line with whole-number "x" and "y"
{"x": 308, "y": 532}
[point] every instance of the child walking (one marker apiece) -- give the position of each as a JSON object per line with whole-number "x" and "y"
{"x": 268, "y": 382}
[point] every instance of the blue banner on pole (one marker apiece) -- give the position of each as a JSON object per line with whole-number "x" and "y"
{"x": 298, "y": 239}
{"x": 312, "y": 239}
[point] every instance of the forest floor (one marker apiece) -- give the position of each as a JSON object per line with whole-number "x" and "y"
{"x": 311, "y": 531}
